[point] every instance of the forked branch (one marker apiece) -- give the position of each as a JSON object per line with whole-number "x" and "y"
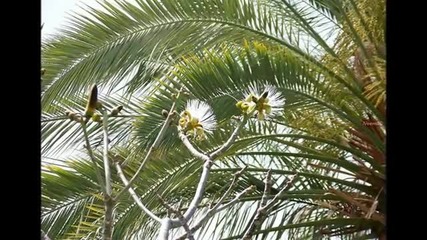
{"x": 265, "y": 208}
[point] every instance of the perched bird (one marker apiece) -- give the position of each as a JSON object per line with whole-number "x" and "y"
{"x": 92, "y": 103}
{"x": 116, "y": 111}
{"x": 254, "y": 102}
{"x": 262, "y": 106}
{"x": 73, "y": 116}
{"x": 263, "y": 96}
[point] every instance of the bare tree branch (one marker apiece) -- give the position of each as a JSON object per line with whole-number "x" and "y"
{"x": 230, "y": 141}
{"x": 206, "y": 167}
{"x": 153, "y": 146}
{"x": 202, "y": 182}
{"x": 134, "y": 195}
{"x": 164, "y": 229}
{"x": 105, "y": 155}
{"x": 263, "y": 211}
{"x": 208, "y": 162}
{"x": 108, "y": 218}
{"x": 230, "y": 188}
{"x": 189, "y": 234}
{"x": 236, "y": 198}
{"x": 260, "y": 214}
{"x": 267, "y": 188}
{"x": 217, "y": 209}
{"x": 108, "y": 201}
{"x": 92, "y": 158}
{"x": 192, "y": 149}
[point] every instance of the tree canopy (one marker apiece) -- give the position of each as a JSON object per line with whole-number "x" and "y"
{"x": 322, "y": 63}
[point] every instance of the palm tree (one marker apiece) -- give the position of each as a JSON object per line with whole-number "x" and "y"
{"x": 325, "y": 59}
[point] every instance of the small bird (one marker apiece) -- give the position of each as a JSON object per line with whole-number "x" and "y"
{"x": 73, "y": 116}
{"x": 92, "y": 103}
{"x": 116, "y": 111}
{"x": 262, "y": 106}
{"x": 263, "y": 97}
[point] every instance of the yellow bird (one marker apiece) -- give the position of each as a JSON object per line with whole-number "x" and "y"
{"x": 92, "y": 103}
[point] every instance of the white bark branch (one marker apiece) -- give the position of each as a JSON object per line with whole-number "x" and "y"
{"x": 105, "y": 155}
{"x": 208, "y": 162}
{"x": 230, "y": 141}
{"x": 108, "y": 202}
{"x": 164, "y": 229}
{"x": 188, "y": 234}
{"x": 192, "y": 149}
{"x": 92, "y": 158}
{"x": 135, "y": 196}
{"x": 206, "y": 169}
{"x": 199, "y": 191}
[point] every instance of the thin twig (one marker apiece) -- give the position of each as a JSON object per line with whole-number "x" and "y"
{"x": 230, "y": 141}
{"x": 134, "y": 195}
{"x": 267, "y": 188}
{"x": 230, "y": 188}
{"x": 263, "y": 211}
{"x": 152, "y": 148}
{"x": 236, "y": 198}
{"x": 281, "y": 192}
{"x": 95, "y": 165}
{"x": 180, "y": 217}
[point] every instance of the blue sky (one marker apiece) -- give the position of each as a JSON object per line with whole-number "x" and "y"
{"x": 54, "y": 13}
